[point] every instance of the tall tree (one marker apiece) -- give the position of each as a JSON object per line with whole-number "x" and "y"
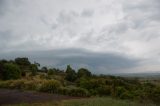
{"x": 70, "y": 74}
{"x": 82, "y": 72}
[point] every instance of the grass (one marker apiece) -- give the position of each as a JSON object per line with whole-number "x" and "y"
{"x": 89, "y": 102}
{"x": 102, "y": 102}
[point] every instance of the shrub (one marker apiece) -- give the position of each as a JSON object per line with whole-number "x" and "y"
{"x": 63, "y": 90}
{"x": 74, "y": 91}
{"x": 17, "y": 84}
{"x": 11, "y": 71}
{"x": 104, "y": 90}
{"x": 120, "y": 90}
{"x": 78, "y": 92}
{"x": 93, "y": 85}
{"x": 50, "y": 72}
{"x": 31, "y": 85}
{"x": 34, "y": 69}
{"x": 21, "y": 84}
{"x": 156, "y": 95}
{"x": 50, "y": 86}
{"x": 126, "y": 95}
{"x": 5, "y": 84}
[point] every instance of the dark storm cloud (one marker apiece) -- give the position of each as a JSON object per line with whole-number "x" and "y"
{"x": 96, "y": 62}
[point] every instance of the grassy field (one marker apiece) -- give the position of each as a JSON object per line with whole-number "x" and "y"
{"x": 89, "y": 102}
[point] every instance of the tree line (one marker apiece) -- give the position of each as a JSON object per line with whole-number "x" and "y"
{"x": 22, "y": 74}
{"x": 15, "y": 69}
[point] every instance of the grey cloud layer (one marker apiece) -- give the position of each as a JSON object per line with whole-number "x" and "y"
{"x": 120, "y": 27}
{"x": 96, "y": 62}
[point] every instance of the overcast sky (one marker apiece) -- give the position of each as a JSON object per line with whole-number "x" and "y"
{"x": 106, "y": 36}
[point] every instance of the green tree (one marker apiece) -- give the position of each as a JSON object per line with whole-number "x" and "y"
{"x": 33, "y": 69}
{"x": 11, "y": 71}
{"x": 70, "y": 74}
{"x": 22, "y": 61}
{"x": 24, "y": 64}
{"x": 82, "y": 72}
{"x": 69, "y": 69}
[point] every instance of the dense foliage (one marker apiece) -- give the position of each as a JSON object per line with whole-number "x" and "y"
{"x": 22, "y": 74}
{"x": 11, "y": 71}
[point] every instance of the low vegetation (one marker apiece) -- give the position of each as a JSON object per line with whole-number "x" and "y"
{"x": 24, "y": 75}
{"x": 89, "y": 102}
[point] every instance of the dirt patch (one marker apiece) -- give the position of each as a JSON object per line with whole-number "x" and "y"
{"x": 16, "y": 96}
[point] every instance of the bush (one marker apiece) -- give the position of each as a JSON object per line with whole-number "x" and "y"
{"x": 11, "y": 71}
{"x": 119, "y": 91}
{"x": 50, "y": 86}
{"x": 31, "y": 85}
{"x": 126, "y": 95}
{"x": 74, "y": 91}
{"x": 156, "y": 95}
{"x": 34, "y": 69}
{"x": 50, "y": 72}
{"x": 104, "y": 90}
{"x": 17, "y": 84}
{"x": 94, "y": 86}
{"x": 5, "y": 84}
{"x": 21, "y": 84}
